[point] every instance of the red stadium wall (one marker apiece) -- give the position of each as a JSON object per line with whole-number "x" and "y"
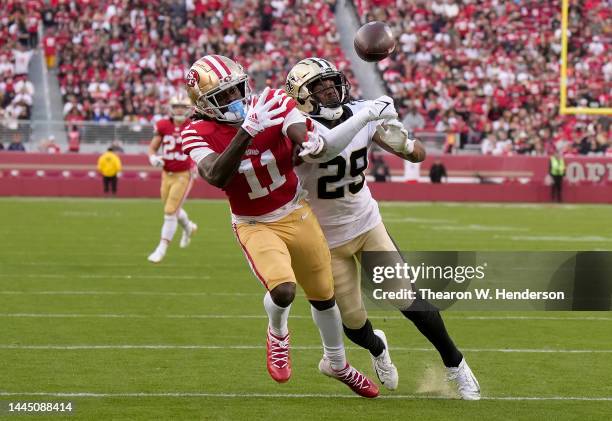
{"x": 30, "y": 174}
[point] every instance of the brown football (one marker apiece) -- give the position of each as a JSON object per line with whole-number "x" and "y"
{"x": 374, "y": 41}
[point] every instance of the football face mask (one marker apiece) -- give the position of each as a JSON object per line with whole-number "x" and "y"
{"x": 228, "y": 103}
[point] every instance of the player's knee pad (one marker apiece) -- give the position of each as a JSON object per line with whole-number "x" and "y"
{"x": 283, "y": 294}
{"x": 322, "y": 305}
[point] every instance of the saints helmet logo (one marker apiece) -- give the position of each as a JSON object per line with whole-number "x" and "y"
{"x": 290, "y": 84}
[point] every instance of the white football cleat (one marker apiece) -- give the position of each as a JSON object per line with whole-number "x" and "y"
{"x": 466, "y": 382}
{"x": 158, "y": 255}
{"x": 186, "y": 237}
{"x": 383, "y": 366}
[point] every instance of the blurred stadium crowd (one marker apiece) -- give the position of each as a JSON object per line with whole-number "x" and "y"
{"x": 486, "y": 70}
{"x": 123, "y": 60}
{"x": 489, "y": 70}
{"x": 18, "y": 36}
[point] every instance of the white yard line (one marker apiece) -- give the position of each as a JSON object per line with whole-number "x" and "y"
{"x": 285, "y": 396}
{"x": 101, "y": 276}
{"x": 263, "y": 316}
{"x": 87, "y": 266}
{"x": 478, "y": 227}
{"x": 419, "y": 220}
{"x": 298, "y": 347}
{"x": 584, "y": 238}
{"x": 152, "y": 293}
{"x": 579, "y": 318}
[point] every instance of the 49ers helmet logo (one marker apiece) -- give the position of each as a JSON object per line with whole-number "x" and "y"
{"x": 192, "y": 78}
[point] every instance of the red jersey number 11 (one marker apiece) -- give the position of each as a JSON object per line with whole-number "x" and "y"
{"x": 257, "y": 190}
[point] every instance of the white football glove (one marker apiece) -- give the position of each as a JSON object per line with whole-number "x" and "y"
{"x": 381, "y": 108}
{"x": 393, "y": 134}
{"x": 259, "y": 117}
{"x": 156, "y": 160}
{"x": 313, "y": 146}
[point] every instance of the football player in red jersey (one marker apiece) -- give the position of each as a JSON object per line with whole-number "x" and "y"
{"x": 177, "y": 176}
{"x": 248, "y": 152}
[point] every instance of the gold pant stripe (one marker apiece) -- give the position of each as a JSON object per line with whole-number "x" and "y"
{"x": 250, "y": 260}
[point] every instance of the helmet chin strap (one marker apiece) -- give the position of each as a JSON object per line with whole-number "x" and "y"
{"x": 330, "y": 113}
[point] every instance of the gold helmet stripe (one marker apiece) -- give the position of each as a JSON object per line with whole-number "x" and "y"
{"x": 215, "y": 66}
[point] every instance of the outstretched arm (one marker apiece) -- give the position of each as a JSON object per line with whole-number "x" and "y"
{"x": 322, "y": 148}
{"x": 393, "y": 137}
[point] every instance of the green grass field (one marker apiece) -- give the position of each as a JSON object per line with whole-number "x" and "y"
{"x": 84, "y": 317}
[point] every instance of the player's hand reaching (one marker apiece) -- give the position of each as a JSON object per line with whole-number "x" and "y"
{"x": 313, "y": 145}
{"x": 156, "y": 161}
{"x": 394, "y": 134}
{"x": 260, "y": 116}
{"x": 381, "y": 108}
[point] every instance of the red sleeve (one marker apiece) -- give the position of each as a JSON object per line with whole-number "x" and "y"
{"x": 197, "y": 135}
{"x": 290, "y": 106}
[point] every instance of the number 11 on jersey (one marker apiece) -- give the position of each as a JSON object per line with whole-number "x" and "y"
{"x": 257, "y": 190}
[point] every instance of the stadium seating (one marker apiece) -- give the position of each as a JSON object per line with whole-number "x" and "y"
{"x": 122, "y": 61}
{"x": 18, "y": 36}
{"x": 489, "y": 70}
{"x": 455, "y": 70}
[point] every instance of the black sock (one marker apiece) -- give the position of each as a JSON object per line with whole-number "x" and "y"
{"x": 365, "y": 338}
{"x": 427, "y": 319}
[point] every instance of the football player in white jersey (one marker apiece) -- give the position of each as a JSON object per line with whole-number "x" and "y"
{"x": 350, "y": 218}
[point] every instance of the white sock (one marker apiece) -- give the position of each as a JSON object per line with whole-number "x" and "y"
{"x": 168, "y": 229}
{"x": 330, "y": 326}
{"x": 183, "y": 219}
{"x": 162, "y": 246}
{"x": 277, "y": 317}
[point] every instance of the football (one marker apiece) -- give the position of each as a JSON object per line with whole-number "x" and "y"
{"x": 374, "y": 41}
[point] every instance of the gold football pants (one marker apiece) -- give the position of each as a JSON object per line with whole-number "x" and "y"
{"x": 292, "y": 249}
{"x": 175, "y": 187}
{"x": 345, "y": 268}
